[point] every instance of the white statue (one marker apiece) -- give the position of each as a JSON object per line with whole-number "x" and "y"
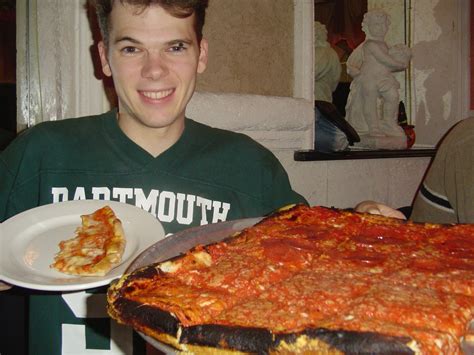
{"x": 327, "y": 68}
{"x": 371, "y": 66}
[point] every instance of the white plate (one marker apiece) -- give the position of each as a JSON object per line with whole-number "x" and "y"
{"x": 29, "y": 242}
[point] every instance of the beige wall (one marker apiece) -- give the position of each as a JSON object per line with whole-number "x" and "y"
{"x": 250, "y": 47}
{"x": 440, "y": 68}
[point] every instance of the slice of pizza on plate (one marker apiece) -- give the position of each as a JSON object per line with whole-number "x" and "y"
{"x": 96, "y": 248}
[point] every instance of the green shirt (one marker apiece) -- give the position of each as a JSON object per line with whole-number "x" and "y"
{"x": 209, "y": 175}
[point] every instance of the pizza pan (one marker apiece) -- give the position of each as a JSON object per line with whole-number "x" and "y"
{"x": 180, "y": 242}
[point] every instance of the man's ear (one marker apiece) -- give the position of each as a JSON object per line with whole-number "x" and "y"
{"x": 103, "y": 59}
{"x": 203, "y": 56}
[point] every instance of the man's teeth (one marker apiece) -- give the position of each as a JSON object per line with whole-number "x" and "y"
{"x": 156, "y": 95}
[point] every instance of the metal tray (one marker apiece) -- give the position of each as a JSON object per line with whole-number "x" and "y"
{"x": 178, "y": 243}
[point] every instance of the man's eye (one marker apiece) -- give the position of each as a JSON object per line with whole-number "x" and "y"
{"x": 129, "y": 50}
{"x": 179, "y": 47}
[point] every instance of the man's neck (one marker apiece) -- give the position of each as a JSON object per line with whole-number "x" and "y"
{"x": 153, "y": 140}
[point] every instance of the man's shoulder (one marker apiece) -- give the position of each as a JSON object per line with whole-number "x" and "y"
{"x": 58, "y": 133}
{"x": 87, "y": 125}
{"x": 462, "y": 134}
{"x": 86, "y": 121}
{"x": 465, "y": 127}
{"x": 226, "y": 139}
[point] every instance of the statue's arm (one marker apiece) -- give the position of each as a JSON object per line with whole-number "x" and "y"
{"x": 354, "y": 62}
{"x": 382, "y": 55}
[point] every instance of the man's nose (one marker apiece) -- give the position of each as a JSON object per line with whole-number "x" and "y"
{"x": 154, "y": 66}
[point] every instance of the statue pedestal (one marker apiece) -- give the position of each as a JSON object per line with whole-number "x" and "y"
{"x": 383, "y": 142}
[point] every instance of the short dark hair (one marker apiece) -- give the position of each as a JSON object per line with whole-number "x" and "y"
{"x": 176, "y": 8}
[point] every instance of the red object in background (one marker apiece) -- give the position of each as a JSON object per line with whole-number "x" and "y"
{"x": 343, "y": 20}
{"x": 410, "y": 133}
{"x": 407, "y": 128}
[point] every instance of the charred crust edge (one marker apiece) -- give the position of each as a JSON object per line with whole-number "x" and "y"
{"x": 255, "y": 340}
{"x": 352, "y": 342}
{"x": 151, "y": 317}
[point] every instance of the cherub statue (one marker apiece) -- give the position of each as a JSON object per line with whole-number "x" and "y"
{"x": 371, "y": 66}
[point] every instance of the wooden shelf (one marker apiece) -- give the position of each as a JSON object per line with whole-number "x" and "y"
{"x": 312, "y": 155}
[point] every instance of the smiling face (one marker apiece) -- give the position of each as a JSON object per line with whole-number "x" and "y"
{"x": 154, "y": 59}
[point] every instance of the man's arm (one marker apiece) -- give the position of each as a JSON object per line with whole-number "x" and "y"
{"x": 10, "y": 166}
{"x": 4, "y": 192}
{"x": 378, "y": 208}
{"x": 276, "y": 189}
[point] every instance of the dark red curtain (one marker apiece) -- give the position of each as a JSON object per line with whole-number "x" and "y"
{"x": 343, "y": 19}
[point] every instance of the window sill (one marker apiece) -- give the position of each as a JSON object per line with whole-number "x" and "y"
{"x": 312, "y": 155}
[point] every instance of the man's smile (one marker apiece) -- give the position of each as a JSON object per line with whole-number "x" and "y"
{"x": 157, "y": 95}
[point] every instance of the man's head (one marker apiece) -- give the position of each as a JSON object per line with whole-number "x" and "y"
{"x": 153, "y": 57}
{"x": 176, "y": 8}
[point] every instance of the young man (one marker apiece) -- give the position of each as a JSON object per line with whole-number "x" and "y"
{"x": 145, "y": 153}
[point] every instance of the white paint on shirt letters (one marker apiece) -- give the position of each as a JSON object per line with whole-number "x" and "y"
{"x": 166, "y": 206}
{"x": 146, "y": 203}
{"x": 59, "y": 194}
{"x": 205, "y": 205}
{"x": 219, "y": 211}
{"x": 180, "y": 217}
{"x": 122, "y": 194}
{"x": 101, "y": 193}
{"x": 80, "y": 194}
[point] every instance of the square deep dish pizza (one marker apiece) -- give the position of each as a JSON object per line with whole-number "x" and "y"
{"x": 310, "y": 280}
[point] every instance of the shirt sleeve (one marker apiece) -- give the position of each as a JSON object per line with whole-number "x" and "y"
{"x": 7, "y": 181}
{"x": 277, "y": 189}
{"x": 17, "y": 166}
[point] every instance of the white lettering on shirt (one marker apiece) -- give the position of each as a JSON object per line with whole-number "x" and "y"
{"x": 122, "y": 194}
{"x": 219, "y": 211}
{"x": 60, "y": 194}
{"x": 180, "y": 217}
{"x": 205, "y": 205}
{"x": 80, "y": 194}
{"x": 146, "y": 203}
{"x": 88, "y": 305}
{"x": 167, "y": 206}
{"x": 74, "y": 340}
{"x": 101, "y": 193}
